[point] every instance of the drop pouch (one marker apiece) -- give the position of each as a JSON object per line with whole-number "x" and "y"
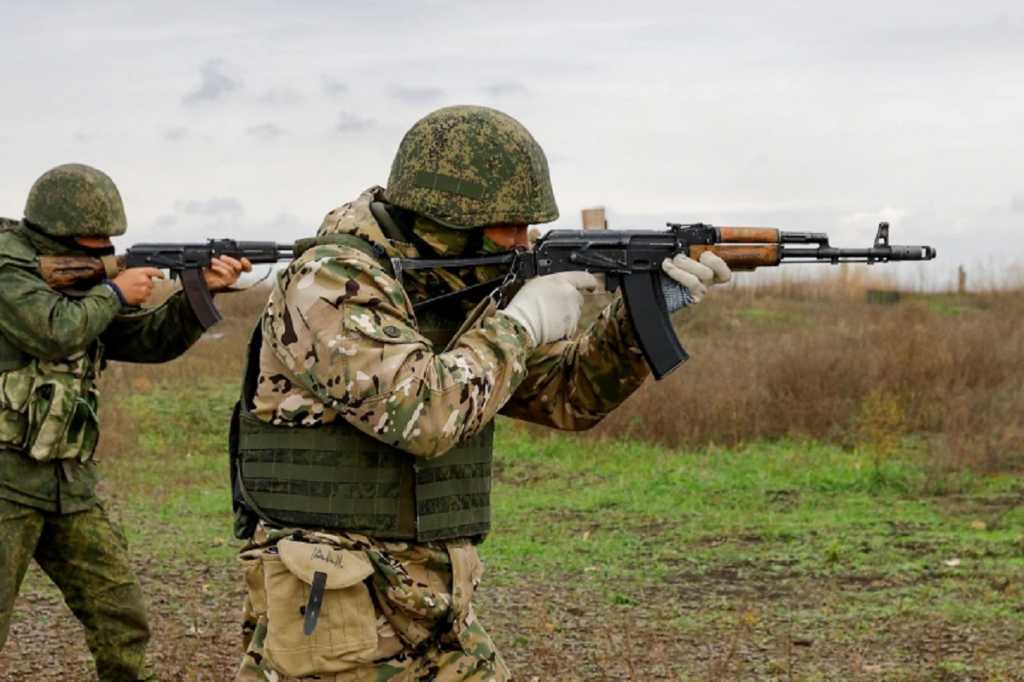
{"x": 343, "y": 635}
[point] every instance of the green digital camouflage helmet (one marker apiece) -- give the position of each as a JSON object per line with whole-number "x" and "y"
{"x": 468, "y": 166}
{"x": 75, "y": 200}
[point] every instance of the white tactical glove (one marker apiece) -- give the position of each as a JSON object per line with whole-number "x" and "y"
{"x": 549, "y": 306}
{"x": 693, "y": 277}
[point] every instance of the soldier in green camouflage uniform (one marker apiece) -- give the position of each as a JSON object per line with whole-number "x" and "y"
{"x": 363, "y": 438}
{"x": 53, "y": 346}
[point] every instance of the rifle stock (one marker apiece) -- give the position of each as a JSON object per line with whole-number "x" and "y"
{"x": 67, "y": 272}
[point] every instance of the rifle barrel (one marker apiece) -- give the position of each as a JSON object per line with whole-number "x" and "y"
{"x": 185, "y": 255}
{"x": 879, "y": 254}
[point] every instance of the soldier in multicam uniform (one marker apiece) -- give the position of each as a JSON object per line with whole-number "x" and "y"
{"x": 361, "y": 447}
{"x": 52, "y": 348}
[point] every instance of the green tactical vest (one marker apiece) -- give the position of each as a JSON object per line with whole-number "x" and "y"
{"x": 48, "y": 408}
{"x": 335, "y": 476}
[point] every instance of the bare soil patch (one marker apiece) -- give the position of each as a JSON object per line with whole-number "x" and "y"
{"x": 727, "y": 623}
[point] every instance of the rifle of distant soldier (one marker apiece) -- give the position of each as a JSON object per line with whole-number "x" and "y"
{"x": 184, "y": 261}
{"x": 630, "y": 259}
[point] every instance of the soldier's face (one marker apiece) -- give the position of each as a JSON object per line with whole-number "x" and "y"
{"x": 508, "y": 236}
{"x": 94, "y": 242}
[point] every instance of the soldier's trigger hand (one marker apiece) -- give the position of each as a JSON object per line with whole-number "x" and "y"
{"x": 136, "y": 284}
{"x": 695, "y": 276}
{"x": 549, "y": 307}
{"x": 224, "y": 271}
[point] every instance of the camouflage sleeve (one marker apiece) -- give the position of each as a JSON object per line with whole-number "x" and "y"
{"x": 346, "y": 331}
{"x": 48, "y": 324}
{"x": 574, "y": 384}
{"x": 154, "y": 334}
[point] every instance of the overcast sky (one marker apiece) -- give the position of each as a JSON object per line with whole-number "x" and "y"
{"x": 253, "y": 119}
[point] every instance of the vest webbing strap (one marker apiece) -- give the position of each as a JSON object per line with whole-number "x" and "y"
{"x": 437, "y": 525}
{"x": 446, "y": 489}
{"x": 329, "y": 473}
{"x": 332, "y": 506}
{"x": 454, "y": 491}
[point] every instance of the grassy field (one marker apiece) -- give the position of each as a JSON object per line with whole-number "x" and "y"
{"x": 617, "y": 560}
{"x": 859, "y": 530}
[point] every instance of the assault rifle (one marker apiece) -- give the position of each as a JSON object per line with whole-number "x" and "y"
{"x": 629, "y": 259}
{"x": 184, "y": 261}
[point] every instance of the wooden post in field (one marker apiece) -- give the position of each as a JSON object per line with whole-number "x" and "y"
{"x": 961, "y": 280}
{"x": 593, "y": 219}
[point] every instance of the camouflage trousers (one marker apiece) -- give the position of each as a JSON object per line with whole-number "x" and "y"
{"x": 85, "y": 555}
{"x": 399, "y": 612}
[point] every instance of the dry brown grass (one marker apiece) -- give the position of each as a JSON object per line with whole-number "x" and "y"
{"x": 794, "y": 359}
{"x": 820, "y": 361}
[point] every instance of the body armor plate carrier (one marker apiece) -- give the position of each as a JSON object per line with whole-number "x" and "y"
{"x": 335, "y": 476}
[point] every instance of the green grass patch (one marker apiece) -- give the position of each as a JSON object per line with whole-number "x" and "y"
{"x": 793, "y": 534}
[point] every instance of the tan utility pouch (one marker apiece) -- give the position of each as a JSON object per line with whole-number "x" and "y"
{"x": 345, "y": 632}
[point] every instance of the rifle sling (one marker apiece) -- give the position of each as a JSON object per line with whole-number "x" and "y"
{"x": 349, "y": 240}
{"x": 111, "y": 266}
{"x": 480, "y": 287}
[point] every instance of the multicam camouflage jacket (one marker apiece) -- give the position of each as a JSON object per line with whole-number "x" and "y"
{"x": 341, "y": 339}
{"x": 53, "y": 346}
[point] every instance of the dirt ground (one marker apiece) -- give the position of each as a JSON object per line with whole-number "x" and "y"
{"x": 562, "y": 630}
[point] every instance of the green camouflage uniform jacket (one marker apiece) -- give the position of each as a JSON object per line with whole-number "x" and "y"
{"x": 53, "y": 326}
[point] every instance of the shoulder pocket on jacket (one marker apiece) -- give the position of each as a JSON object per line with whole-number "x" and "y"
{"x": 379, "y": 326}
